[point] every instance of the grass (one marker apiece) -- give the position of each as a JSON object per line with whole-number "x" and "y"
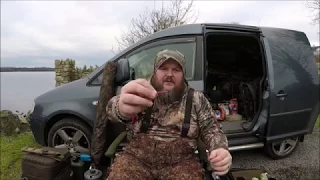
{"x": 11, "y": 154}
{"x": 317, "y": 122}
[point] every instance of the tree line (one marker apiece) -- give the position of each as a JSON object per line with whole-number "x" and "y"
{"x": 25, "y": 69}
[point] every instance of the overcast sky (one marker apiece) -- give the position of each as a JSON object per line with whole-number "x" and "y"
{"x": 35, "y": 33}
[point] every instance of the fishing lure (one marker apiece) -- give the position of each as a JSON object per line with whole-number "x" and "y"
{"x": 135, "y": 118}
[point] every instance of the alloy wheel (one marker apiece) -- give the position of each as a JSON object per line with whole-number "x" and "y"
{"x": 282, "y": 148}
{"x": 73, "y": 139}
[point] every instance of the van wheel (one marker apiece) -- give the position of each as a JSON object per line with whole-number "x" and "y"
{"x": 70, "y": 133}
{"x": 282, "y": 149}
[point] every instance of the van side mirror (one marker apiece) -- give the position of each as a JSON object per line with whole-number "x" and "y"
{"x": 123, "y": 71}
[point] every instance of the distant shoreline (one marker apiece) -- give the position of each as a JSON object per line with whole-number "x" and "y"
{"x": 25, "y": 69}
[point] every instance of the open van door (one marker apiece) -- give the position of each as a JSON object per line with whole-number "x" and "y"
{"x": 293, "y": 84}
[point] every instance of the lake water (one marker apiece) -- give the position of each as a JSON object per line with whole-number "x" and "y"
{"x": 19, "y": 89}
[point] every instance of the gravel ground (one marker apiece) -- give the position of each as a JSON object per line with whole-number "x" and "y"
{"x": 303, "y": 164}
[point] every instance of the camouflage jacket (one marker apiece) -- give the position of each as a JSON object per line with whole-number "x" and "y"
{"x": 166, "y": 121}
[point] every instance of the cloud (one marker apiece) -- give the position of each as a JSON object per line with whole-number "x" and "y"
{"x": 281, "y": 14}
{"x": 35, "y": 33}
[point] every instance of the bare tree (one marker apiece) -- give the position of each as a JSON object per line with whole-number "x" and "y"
{"x": 149, "y": 22}
{"x": 314, "y": 7}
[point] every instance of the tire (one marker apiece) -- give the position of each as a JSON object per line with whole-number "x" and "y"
{"x": 274, "y": 149}
{"x": 76, "y": 136}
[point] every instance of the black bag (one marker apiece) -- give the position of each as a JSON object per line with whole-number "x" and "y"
{"x": 248, "y": 100}
{"x": 246, "y": 93}
{"x": 244, "y": 174}
{"x": 46, "y": 164}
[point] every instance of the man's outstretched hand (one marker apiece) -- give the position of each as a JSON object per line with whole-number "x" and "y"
{"x": 221, "y": 161}
{"x": 135, "y": 96}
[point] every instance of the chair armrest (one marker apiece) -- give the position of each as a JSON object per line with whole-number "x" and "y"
{"x": 111, "y": 151}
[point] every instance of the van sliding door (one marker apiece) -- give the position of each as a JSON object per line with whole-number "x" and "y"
{"x": 294, "y": 83}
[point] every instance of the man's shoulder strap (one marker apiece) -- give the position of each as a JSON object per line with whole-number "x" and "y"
{"x": 146, "y": 120}
{"x": 187, "y": 113}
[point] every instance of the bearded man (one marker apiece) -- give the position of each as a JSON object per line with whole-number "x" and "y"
{"x": 169, "y": 118}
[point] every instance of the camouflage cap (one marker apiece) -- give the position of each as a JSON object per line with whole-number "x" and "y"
{"x": 166, "y": 54}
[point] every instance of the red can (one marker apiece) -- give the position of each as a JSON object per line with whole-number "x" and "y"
{"x": 233, "y": 106}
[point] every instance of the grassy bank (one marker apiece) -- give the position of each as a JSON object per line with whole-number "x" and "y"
{"x": 317, "y": 122}
{"x": 11, "y": 154}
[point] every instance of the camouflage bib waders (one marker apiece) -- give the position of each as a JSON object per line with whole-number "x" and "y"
{"x": 147, "y": 158}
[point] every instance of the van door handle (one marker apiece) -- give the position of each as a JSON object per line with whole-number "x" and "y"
{"x": 282, "y": 95}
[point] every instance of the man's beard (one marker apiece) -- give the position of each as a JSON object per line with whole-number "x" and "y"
{"x": 170, "y": 96}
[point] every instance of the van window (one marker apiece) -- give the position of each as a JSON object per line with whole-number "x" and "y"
{"x": 142, "y": 62}
{"x": 98, "y": 79}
